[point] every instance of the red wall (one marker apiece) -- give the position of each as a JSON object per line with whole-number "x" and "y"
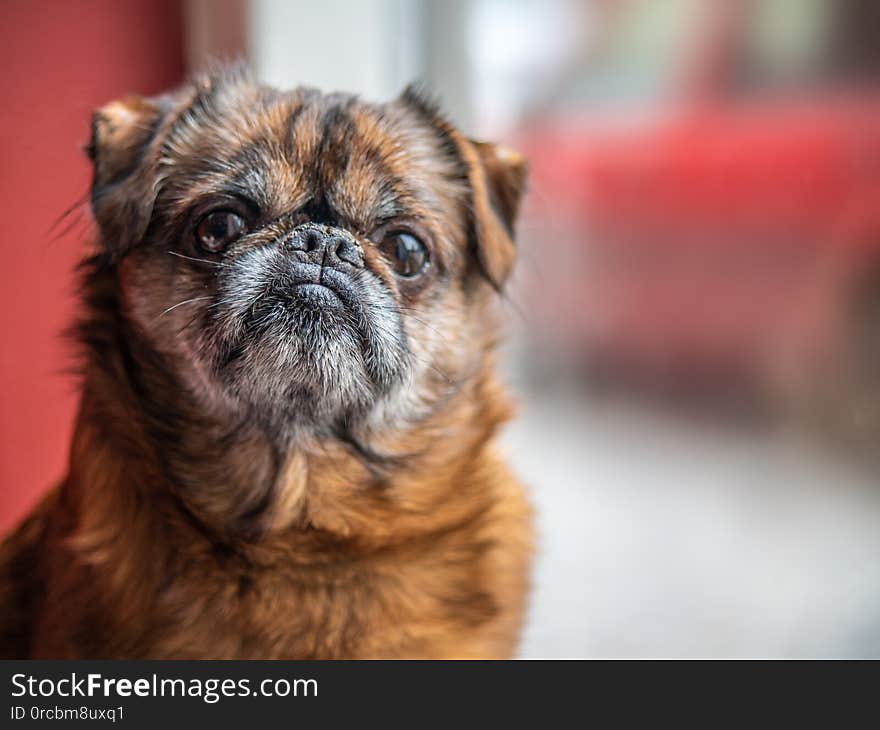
{"x": 60, "y": 60}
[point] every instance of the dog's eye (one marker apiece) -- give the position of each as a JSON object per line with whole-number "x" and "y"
{"x": 408, "y": 254}
{"x": 218, "y": 229}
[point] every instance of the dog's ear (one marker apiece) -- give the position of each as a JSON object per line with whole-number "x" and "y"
{"x": 122, "y": 187}
{"x": 496, "y": 177}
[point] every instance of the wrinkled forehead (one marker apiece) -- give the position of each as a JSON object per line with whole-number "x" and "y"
{"x": 360, "y": 163}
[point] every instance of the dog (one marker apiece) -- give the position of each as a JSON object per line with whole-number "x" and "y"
{"x": 285, "y": 443}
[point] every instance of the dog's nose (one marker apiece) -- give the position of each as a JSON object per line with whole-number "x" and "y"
{"x": 325, "y": 243}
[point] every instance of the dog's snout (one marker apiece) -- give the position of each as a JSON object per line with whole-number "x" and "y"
{"x": 324, "y": 244}
{"x": 346, "y": 249}
{"x": 309, "y": 240}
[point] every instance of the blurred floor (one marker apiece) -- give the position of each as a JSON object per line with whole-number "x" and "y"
{"x": 665, "y": 535}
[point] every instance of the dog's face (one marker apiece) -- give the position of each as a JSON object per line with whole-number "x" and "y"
{"x": 309, "y": 260}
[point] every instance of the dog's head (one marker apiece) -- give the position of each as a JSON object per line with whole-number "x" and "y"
{"x": 311, "y": 260}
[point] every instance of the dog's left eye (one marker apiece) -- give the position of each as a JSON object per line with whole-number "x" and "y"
{"x": 408, "y": 254}
{"x": 218, "y": 229}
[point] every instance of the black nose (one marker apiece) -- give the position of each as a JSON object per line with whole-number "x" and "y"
{"x": 325, "y": 245}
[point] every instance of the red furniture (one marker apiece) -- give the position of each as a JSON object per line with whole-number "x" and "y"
{"x": 727, "y": 217}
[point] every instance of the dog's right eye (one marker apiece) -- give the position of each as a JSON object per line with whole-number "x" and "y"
{"x": 408, "y": 254}
{"x": 219, "y": 229}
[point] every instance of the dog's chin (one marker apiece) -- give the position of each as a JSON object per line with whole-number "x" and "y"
{"x": 308, "y": 370}
{"x": 306, "y": 363}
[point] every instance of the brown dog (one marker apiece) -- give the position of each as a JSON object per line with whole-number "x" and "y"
{"x": 284, "y": 446}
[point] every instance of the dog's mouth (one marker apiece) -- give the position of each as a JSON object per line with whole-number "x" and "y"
{"x": 319, "y": 295}
{"x": 306, "y": 304}
{"x": 313, "y": 287}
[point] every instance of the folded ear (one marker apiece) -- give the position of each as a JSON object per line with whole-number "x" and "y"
{"x": 122, "y": 184}
{"x": 497, "y": 177}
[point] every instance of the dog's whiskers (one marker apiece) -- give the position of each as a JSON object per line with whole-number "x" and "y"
{"x": 180, "y": 304}
{"x": 218, "y": 264}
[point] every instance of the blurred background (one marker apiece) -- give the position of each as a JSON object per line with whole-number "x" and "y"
{"x": 695, "y": 320}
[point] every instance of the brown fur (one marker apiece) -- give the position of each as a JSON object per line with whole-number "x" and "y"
{"x": 185, "y": 529}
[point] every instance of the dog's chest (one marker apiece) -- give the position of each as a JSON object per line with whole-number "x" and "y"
{"x": 418, "y": 602}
